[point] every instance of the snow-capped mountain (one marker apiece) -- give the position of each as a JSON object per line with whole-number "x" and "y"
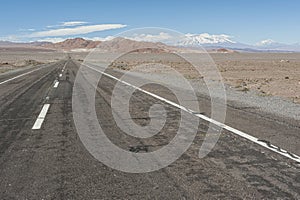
{"x": 194, "y": 40}
{"x": 267, "y": 42}
{"x": 225, "y": 41}
{"x": 270, "y": 44}
{"x": 211, "y": 41}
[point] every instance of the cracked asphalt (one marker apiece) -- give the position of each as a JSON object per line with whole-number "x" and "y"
{"x": 52, "y": 162}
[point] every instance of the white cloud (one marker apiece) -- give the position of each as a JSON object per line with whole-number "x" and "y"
{"x": 150, "y": 38}
{"x": 99, "y": 38}
{"x": 61, "y": 39}
{"x": 26, "y": 30}
{"x": 73, "y": 23}
{"x": 68, "y": 24}
{"x": 10, "y": 38}
{"x": 53, "y": 39}
{"x": 75, "y": 30}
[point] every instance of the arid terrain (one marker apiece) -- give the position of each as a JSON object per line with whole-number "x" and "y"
{"x": 16, "y": 58}
{"x": 19, "y": 57}
{"x": 276, "y": 74}
{"x": 48, "y": 159}
{"x": 269, "y": 74}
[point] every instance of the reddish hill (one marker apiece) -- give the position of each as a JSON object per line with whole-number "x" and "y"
{"x": 124, "y": 45}
{"x": 114, "y": 45}
{"x": 76, "y": 43}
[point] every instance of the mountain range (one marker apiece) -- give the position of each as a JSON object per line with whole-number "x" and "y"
{"x": 114, "y": 45}
{"x": 190, "y": 43}
{"x": 224, "y": 41}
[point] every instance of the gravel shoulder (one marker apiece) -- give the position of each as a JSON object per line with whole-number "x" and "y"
{"x": 275, "y": 105}
{"x": 267, "y": 81}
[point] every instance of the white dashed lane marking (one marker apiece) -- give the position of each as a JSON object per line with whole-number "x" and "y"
{"x": 56, "y": 84}
{"x": 39, "y": 121}
{"x": 64, "y": 66}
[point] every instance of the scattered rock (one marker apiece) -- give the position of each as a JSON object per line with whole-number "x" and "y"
{"x": 139, "y": 148}
{"x": 286, "y": 61}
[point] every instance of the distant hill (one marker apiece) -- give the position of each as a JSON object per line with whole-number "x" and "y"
{"x": 69, "y": 44}
{"x": 114, "y": 45}
{"x": 32, "y": 46}
{"x": 122, "y": 45}
{"x": 6, "y": 43}
{"x": 192, "y": 44}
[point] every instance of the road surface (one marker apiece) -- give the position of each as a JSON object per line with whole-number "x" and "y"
{"x": 42, "y": 156}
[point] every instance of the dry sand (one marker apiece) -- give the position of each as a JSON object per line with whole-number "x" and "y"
{"x": 269, "y": 74}
{"x": 18, "y": 58}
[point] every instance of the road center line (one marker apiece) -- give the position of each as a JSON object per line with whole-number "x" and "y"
{"x": 56, "y": 84}
{"x": 39, "y": 121}
{"x": 64, "y": 66}
{"x": 224, "y": 126}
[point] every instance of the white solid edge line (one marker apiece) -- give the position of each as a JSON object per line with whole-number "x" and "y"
{"x": 224, "y": 126}
{"x": 56, "y": 84}
{"x": 39, "y": 121}
{"x": 20, "y": 76}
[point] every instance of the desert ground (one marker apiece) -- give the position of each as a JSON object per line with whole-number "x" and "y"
{"x": 267, "y": 74}
{"x": 18, "y": 58}
{"x": 264, "y": 74}
{"x": 274, "y": 74}
{"x": 52, "y": 162}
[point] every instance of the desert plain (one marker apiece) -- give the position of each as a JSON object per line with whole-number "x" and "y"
{"x": 268, "y": 74}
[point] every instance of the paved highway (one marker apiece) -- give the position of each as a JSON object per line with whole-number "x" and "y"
{"x": 42, "y": 156}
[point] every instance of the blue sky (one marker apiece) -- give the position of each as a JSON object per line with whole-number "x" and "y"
{"x": 247, "y": 21}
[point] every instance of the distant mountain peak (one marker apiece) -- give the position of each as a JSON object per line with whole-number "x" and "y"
{"x": 266, "y": 42}
{"x": 205, "y": 39}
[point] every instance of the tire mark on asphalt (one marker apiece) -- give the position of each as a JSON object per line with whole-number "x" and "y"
{"x": 210, "y": 120}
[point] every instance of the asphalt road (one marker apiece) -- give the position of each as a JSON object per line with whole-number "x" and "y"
{"x": 52, "y": 163}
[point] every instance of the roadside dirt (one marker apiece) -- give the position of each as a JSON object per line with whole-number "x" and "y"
{"x": 269, "y": 74}
{"x": 18, "y": 58}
